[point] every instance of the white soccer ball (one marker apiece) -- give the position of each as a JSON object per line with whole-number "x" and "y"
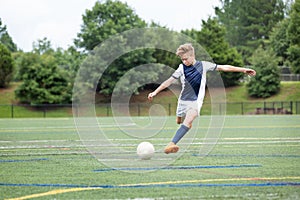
{"x": 145, "y": 150}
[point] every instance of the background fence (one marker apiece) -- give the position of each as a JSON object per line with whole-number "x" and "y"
{"x": 290, "y": 77}
{"x": 142, "y": 109}
{"x": 287, "y": 75}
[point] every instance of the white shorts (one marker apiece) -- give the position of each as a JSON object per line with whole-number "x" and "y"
{"x": 184, "y": 106}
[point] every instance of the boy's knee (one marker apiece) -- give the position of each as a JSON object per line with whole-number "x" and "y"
{"x": 189, "y": 125}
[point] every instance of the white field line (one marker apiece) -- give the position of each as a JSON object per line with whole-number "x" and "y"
{"x": 151, "y": 139}
{"x": 115, "y": 126}
{"x": 69, "y": 127}
{"x": 107, "y": 145}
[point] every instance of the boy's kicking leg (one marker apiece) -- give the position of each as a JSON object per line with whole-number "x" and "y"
{"x": 183, "y": 129}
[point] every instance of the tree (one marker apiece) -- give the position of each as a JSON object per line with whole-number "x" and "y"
{"x": 279, "y": 41}
{"x": 44, "y": 81}
{"x": 6, "y": 39}
{"x": 293, "y": 35}
{"x": 167, "y": 58}
{"x": 267, "y": 80}
{"x": 104, "y": 20}
{"x": 69, "y": 60}
{"x": 23, "y": 61}
{"x": 107, "y": 19}
{"x": 6, "y": 66}
{"x": 248, "y": 23}
{"x": 212, "y": 38}
{"x": 42, "y": 46}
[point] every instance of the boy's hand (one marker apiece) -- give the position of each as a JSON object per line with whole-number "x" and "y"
{"x": 250, "y": 72}
{"x": 151, "y": 95}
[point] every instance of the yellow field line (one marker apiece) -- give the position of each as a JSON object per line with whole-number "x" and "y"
{"x": 60, "y": 191}
{"x": 54, "y": 192}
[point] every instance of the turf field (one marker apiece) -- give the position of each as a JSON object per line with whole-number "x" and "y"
{"x": 242, "y": 157}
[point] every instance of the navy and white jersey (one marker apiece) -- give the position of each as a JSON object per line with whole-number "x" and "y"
{"x": 193, "y": 79}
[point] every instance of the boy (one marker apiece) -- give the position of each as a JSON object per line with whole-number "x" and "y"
{"x": 193, "y": 77}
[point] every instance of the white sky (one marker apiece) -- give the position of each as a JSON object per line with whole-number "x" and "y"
{"x": 60, "y": 20}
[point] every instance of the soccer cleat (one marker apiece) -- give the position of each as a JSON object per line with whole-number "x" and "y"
{"x": 171, "y": 148}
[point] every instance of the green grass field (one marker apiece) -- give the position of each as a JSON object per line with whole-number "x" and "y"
{"x": 290, "y": 91}
{"x": 254, "y": 157}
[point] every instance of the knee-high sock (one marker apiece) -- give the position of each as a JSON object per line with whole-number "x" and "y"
{"x": 180, "y": 133}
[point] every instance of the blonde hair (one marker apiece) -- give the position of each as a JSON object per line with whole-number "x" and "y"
{"x": 184, "y": 49}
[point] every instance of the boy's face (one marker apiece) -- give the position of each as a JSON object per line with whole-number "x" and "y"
{"x": 187, "y": 59}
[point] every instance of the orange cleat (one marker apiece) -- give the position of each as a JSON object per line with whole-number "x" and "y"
{"x": 171, "y": 148}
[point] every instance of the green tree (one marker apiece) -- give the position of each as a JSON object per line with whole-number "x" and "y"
{"x": 25, "y": 60}
{"x": 22, "y": 61}
{"x": 212, "y": 38}
{"x": 6, "y": 66}
{"x": 42, "y": 46}
{"x": 167, "y": 58}
{"x": 107, "y": 19}
{"x": 279, "y": 41}
{"x": 68, "y": 62}
{"x": 248, "y": 23}
{"x": 293, "y": 34}
{"x": 6, "y": 39}
{"x": 267, "y": 80}
{"x": 44, "y": 81}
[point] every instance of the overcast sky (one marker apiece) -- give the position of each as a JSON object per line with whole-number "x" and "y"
{"x": 60, "y": 20}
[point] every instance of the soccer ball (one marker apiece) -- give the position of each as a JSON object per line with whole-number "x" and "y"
{"x": 145, "y": 150}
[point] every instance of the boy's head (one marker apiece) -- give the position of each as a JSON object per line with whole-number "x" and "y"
{"x": 186, "y": 53}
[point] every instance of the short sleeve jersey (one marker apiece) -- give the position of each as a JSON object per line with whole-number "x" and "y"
{"x": 193, "y": 79}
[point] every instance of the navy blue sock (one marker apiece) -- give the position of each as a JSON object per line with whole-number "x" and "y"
{"x": 180, "y": 133}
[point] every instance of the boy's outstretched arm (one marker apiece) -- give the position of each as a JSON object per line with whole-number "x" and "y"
{"x": 162, "y": 86}
{"x": 230, "y": 68}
